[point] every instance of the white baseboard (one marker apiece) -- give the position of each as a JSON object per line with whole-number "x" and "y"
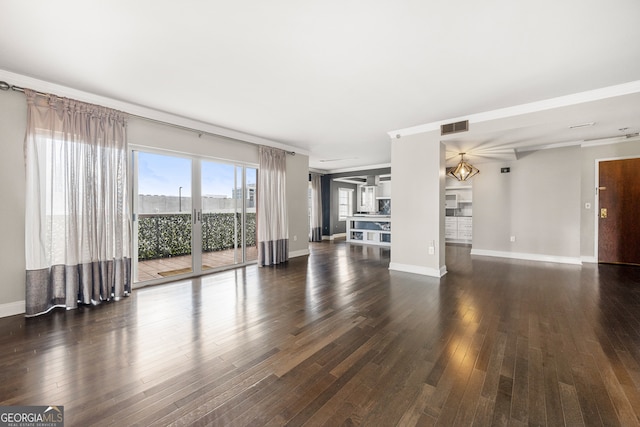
{"x": 416, "y": 269}
{"x": 589, "y": 260}
{"x": 334, "y": 236}
{"x": 12, "y": 308}
{"x": 527, "y": 257}
{"x": 301, "y": 252}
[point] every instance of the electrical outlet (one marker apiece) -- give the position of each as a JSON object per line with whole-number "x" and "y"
{"x": 513, "y": 238}
{"x": 295, "y": 238}
{"x": 432, "y": 250}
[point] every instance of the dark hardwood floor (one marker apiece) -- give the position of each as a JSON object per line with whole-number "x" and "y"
{"x": 337, "y": 339}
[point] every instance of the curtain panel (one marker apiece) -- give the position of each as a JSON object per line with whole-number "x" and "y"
{"x": 273, "y": 225}
{"x": 315, "y": 219}
{"x": 78, "y": 245}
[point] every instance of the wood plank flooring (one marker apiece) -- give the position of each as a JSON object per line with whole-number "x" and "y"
{"x": 337, "y": 339}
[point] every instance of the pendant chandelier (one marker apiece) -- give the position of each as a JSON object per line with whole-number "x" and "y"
{"x": 463, "y": 171}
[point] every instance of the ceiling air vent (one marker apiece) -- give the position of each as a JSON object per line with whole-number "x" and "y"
{"x": 456, "y": 127}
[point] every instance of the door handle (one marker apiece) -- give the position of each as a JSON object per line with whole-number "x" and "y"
{"x": 603, "y": 212}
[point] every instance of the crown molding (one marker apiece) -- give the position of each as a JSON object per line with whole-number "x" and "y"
{"x": 532, "y": 107}
{"x": 141, "y": 111}
{"x": 358, "y": 168}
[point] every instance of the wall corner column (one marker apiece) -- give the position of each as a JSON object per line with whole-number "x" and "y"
{"x": 418, "y": 170}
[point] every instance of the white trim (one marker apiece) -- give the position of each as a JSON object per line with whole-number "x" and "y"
{"x": 301, "y": 252}
{"x": 358, "y": 168}
{"x": 608, "y": 141}
{"x": 12, "y": 308}
{"x": 532, "y": 107}
{"x": 596, "y": 208}
{"x": 334, "y": 236}
{"x": 548, "y": 146}
{"x": 138, "y": 110}
{"x": 581, "y": 143}
{"x": 589, "y": 260}
{"x": 596, "y": 202}
{"x": 350, "y": 205}
{"x": 417, "y": 269}
{"x": 528, "y": 257}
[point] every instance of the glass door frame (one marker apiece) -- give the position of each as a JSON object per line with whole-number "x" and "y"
{"x": 196, "y": 213}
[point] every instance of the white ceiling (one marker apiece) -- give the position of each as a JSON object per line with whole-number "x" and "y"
{"x": 331, "y": 78}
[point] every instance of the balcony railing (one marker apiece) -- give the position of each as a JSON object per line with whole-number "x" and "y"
{"x": 169, "y": 235}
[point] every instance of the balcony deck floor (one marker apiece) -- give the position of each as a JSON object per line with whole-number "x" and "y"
{"x": 155, "y": 268}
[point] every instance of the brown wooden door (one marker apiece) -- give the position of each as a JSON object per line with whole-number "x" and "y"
{"x": 619, "y": 216}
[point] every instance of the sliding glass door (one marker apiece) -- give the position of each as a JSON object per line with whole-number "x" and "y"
{"x": 163, "y": 216}
{"x": 191, "y": 215}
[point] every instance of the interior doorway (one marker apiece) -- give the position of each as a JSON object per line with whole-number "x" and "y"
{"x": 618, "y": 207}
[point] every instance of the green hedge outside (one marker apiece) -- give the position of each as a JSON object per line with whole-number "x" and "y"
{"x": 168, "y": 235}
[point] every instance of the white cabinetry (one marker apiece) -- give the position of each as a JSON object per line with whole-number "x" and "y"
{"x": 451, "y": 227}
{"x": 465, "y": 228}
{"x": 367, "y": 197}
{"x": 458, "y": 225}
{"x": 458, "y": 229}
{"x": 384, "y": 190}
{"x": 373, "y": 230}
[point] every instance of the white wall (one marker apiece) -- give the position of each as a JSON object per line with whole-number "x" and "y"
{"x": 417, "y": 213}
{"x": 13, "y": 120}
{"x": 538, "y": 202}
{"x": 297, "y": 202}
{"x": 146, "y": 133}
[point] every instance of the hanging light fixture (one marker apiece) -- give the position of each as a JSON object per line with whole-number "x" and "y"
{"x": 463, "y": 171}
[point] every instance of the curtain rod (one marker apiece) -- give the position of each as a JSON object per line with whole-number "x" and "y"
{"x": 6, "y": 86}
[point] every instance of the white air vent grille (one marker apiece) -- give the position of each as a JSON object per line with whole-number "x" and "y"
{"x": 456, "y": 127}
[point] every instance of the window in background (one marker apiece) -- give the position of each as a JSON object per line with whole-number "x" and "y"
{"x": 345, "y": 203}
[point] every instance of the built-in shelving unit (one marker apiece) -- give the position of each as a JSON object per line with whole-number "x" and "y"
{"x": 372, "y": 230}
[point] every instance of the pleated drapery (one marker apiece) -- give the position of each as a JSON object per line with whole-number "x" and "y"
{"x": 273, "y": 225}
{"x": 78, "y": 245}
{"x": 315, "y": 220}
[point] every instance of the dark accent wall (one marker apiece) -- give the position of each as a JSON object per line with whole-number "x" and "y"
{"x": 326, "y": 205}
{"x": 330, "y": 223}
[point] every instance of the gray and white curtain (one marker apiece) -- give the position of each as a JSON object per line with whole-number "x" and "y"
{"x": 78, "y": 245}
{"x": 315, "y": 217}
{"x": 273, "y": 225}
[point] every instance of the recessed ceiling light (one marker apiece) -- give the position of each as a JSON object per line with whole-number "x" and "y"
{"x": 582, "y": 125}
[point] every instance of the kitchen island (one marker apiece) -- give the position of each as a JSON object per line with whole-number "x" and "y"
{"x": 369, "y": 229}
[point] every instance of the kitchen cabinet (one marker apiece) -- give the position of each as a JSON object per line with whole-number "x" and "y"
{"x": 458, "y": 229}
{"x": 367, "y": 199}
{"x": 451, "y": 227}
{"x": 458, "y": 226}
{"x": 451, "y": 201}
{"x": 384, "y": 190}
{"x": 465, "y": 228}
